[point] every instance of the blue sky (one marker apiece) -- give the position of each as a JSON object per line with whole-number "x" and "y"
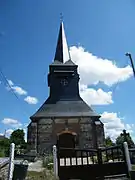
{"x": 29, "y": 30}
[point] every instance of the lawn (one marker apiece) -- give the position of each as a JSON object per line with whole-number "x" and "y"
{"x": 45, "y": 175}
{"x": 133, "y": 167}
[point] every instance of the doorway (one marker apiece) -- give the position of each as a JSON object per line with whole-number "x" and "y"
{"x": 66, "y": 141}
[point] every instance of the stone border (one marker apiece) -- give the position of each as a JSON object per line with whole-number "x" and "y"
{"x": 4, "y": 163}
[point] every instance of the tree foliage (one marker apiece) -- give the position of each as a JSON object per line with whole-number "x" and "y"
{"x": 17, "y": 137}
{"x": 121, "y": 139}
{"x": 4, "y": 147}
{"x": 109, "y": 142}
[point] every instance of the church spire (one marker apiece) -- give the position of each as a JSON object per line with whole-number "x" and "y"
{"x": 62, "y": 53}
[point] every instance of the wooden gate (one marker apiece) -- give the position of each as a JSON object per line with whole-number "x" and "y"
{"x": 91, "y": 164}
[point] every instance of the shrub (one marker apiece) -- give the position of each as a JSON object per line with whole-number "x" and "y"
{"x": 2, "y": 154}
{"x": 48, "y": 161}
{"x": 45, "y": 175}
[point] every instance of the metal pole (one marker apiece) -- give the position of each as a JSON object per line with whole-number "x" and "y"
{"x": 131, "y": 60}
{"x": 11, "y": 161}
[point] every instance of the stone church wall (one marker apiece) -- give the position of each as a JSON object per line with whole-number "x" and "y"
{"x": 32, "y": 136}
{"x": 86, "y": 133}
{"x": 100, "y": 136}
{"x": 59, "y": 127}
{"x": 44, "y": 135}
{"x": 48, "y": 131}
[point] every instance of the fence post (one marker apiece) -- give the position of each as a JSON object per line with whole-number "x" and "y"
{"x": 11, "y": 161}
{"x": 100, "y": 156}
{"x": 100, "y": 162}
{"x": 55, "y": 162}
{"x": 127, "y": 156}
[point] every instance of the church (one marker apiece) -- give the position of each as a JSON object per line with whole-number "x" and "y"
{"x": 64, "y": 119}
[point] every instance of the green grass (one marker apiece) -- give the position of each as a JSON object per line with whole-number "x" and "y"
{"x": 133, "y": 167}
{"x": 48, "y": 162}
{"x": 45, "y": 175}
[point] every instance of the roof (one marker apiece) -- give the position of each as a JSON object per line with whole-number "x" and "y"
{"x": 62, "y": 53}
{"x": 70, "y": 62}
{"x": 58, "y": 107}
{"x": 67, "y": 63}
{"x": 76, "y": 108}
{"x": 57, "y": 63}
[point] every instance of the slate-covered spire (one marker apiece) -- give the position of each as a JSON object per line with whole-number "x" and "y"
{"x": 62, "y": 53}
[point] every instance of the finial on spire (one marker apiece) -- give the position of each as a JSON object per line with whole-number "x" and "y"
{"x": 61, "y": 17}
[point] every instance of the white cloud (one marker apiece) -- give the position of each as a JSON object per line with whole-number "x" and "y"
{"x": 11, "y": 122}
{"x": 9, "y": 132}
{"x": 19, "y": 90}
{"x": 95, "y": 97}
{"x": 93, "y": 69}
{"x": 31, "y": 100}
{"x": 114, "y": 125}
{"x": 10, "y": 82}
{"x": 25, "y": 125}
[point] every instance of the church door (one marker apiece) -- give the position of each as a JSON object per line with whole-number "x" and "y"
{"x": 66, "y": 141}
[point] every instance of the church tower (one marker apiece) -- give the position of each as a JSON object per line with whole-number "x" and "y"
{"x": 64, "y": 112}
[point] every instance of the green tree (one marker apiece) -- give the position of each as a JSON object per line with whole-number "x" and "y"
{"x": 4, "y": 147}
{"x": 108, "y": 141}
{"x": 17, "y": 137}
{"x": 124, "y": 137}
{"x": 4, "y": 142}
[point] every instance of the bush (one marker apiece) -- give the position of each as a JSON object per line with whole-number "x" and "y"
{"x": 50, "y": 166}
{"x": 2, "y": 154}
{"x": 48, "y": 161}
